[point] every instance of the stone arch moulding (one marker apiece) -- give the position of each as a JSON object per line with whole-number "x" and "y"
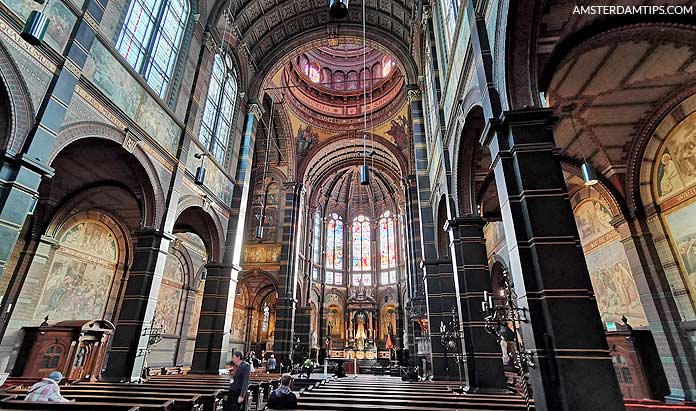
{"x": 465, "y": 148}
{"x": 153, "y": 213}
{"x": 214, "y": 225}
{"x": 21, "y": 108}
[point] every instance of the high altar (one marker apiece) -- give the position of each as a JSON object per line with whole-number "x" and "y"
{"x": 361, "y": 311}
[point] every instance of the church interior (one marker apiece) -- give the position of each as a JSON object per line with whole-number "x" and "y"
{"x": 495, "y": 199}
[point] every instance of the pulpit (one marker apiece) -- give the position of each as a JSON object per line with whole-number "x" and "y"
{"x": 75, "y": 348}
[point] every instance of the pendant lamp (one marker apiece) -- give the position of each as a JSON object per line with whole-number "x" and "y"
{"x": 589, "y": 175}
{"x": 338, "y": 9}
{"x": 200, "y": 171}
{"x": 36, "y": 25}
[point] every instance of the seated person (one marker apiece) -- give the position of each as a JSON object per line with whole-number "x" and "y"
{"x": 47, "y": 389}
{"x": 283, "y": 398}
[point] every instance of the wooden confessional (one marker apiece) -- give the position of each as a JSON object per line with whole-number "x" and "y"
{"x": 75, "y": 348}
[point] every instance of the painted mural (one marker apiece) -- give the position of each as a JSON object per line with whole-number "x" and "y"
{"x": 676, "y": 169}
{"x": 610, "y": 273}
{"x": 169, "y": 299}
{"x": 62, "y": 19}
{"x": 682, "y": 224}
{"x": 80, "y": 274}
{"x": 112, "y": 79}
{"x": 239, "y": 314}
{"x": 215, "y": 179}
{"x": 196, "y": 313}
{"x": 261, "y": 253}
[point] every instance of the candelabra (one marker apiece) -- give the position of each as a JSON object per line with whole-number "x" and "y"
{"x": 154, "y": 336}
{"x": 498, "y": 319}
{"x": 450, "y": 338}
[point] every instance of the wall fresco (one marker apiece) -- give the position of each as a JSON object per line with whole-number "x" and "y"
{"x": 126, "y": 93}
{"x": 196, "y": 313}
{"x": 215, "y": 179}
{"x": 676, "y": 167}
{"x": 682, "y": 225}
{"x": 61, "y": 24}
{"x": 170, "y": 292}
{"x": 610, "y": 272}
{"x": 81, "y": 273}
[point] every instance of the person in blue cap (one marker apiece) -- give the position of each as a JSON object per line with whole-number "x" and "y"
{"x": 47, "y": 390}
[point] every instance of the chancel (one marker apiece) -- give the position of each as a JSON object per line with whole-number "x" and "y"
{"x": 403, "y": 204}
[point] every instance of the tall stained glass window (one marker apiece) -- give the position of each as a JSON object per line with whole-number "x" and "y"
{"x": 151, "y": 37}
{"x": 387, "y": 249}
{"x": 316, "y": 244}
{"x": 387, "y": 65}
{"x": 313, "y": 73}
{"x": 334, "y": 250}
{"x": 361, "y": 243}
{"x": 219, "y": 105}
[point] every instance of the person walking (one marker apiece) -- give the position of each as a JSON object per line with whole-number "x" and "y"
{"x": 239, "y": 383}
{"x": 271, "y": 364}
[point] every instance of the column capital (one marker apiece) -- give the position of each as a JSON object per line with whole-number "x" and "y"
{"x": 467, "y": 220}
{"x": 255, "y": 109}
{"x": 534, "y": 117}
{"x": 414, "y": 93}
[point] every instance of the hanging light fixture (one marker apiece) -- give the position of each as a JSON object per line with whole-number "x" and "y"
{"x": 589, "y": 175}
{"x": 200, "y": 171}
{"x": 364, "y": 171}
{"x": 338, "y": 9}
{"x": 36, "y": 25}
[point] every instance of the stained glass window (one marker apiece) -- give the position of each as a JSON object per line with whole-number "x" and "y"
{"x": 334, "y": 249}
{"x": 316, "y": 244}
{"x": 387, "y": 66}
{"x": 314, "y": 73}
{"x": 387, "y": 241}
{"x": 219, "y": 105}
{"x": 361, "y": 243}
{"x": 151, "y": 37}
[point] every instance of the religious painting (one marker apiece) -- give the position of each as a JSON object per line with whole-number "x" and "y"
{"x": 676, "y": 160}
{"x": 614, "y": 287}
{"x": 682, "y": 225}
{"x": 593, "y": 220}
{"x": 60, "y": 26}
{"x": 387, "y": 323}
{"x": 334, "y": 321}
{"x": 196, "y": 311}
{"x": 306, "y": 138}
{"x": 239, "y": 314}
{"x": 169, "y": 299}
{"x": 612, "y": 280}
{"x": 399, "y": 131}
{"x": 261, "y": 253}
{"x": 494, "y": 234}
{"x": 81, "y": 274}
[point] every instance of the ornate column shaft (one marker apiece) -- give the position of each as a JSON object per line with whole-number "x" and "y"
{"x": 551, "y": 280}
{"x": 211, "y": 352}
{"x": 287, "y": 300}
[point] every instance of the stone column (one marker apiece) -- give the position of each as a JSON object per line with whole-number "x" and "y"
{"x": 483, "y": 364}
{"x": 656, "y": 296}
{"x": 212, "y": 345}
{"x": 129, "y": 343}
{"x": 287, "y": 300}
{"x": 573, "y": 370}
{"x": 442, "y": 299}
{"x": 23, "y": 171}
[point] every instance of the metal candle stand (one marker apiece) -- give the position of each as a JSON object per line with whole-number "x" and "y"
{"x": 450, "y": 338}
{"x": 154, "y": 335}
{"x": 496, "y": 320}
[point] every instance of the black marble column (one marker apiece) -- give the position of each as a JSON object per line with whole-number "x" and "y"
{"x": 209, "y": 355}
{"x": 21, "y": 172}
{"x": 483, "y": 364}
{"x": 212, "y": 346}
{"x": 573, "y": 370}
{"x": 287, "y": 300}
{"x": 126, "y": 356}
{"x": 303, "y": 318}
{"x": 442, "y": 301}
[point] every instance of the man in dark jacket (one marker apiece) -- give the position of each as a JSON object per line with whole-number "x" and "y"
{"x": 282, "y": 398}
{"x": 239, "y": 384}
